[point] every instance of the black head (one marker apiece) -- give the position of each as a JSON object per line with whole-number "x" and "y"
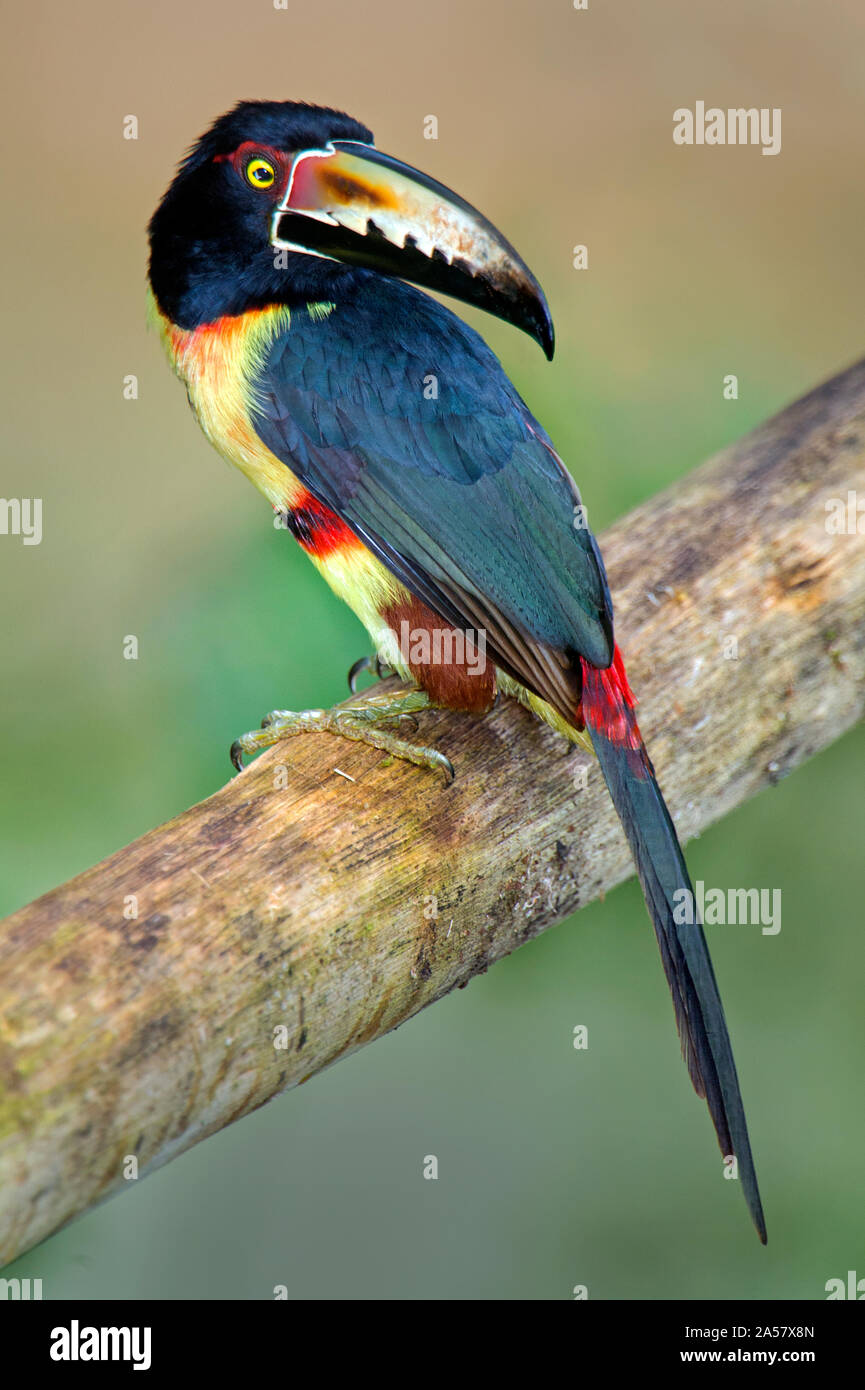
{"x": 284, "y": 203}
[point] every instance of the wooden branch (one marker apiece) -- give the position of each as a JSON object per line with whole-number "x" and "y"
{"x": 290, "y": 918}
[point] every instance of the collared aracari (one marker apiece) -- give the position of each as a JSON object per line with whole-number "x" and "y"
{"x": 385, "y": 433}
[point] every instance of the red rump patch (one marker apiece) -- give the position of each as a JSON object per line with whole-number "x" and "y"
{"x": 608, "y": 703}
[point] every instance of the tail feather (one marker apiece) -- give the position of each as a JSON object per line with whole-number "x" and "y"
{"x": 608, "y": 712}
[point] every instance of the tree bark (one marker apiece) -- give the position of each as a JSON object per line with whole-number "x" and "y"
{"x": 326, "y": 895}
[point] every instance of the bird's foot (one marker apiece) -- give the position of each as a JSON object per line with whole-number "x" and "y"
{"x": 367, "y": 663}
{"x": 360, "y": 722}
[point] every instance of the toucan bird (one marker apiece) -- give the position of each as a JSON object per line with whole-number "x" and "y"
{"x": 285, "y": 261}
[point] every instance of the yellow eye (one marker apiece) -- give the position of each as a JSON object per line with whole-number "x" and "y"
{"x": 259, "y": 173}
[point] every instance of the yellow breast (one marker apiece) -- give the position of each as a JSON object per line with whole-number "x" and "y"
{"x": 217, "y": 363}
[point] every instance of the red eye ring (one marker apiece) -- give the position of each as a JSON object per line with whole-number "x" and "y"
{"x": 259, "y": 166}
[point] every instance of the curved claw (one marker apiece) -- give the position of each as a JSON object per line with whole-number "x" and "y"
{"x": 447, "y": 768}
{"x": 236, "y": 755}
{"x": 364, "y": 664}
{"x": 368, "y": 663}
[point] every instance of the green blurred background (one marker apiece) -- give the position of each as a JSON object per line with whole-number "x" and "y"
{"x": 557, "y": 1168}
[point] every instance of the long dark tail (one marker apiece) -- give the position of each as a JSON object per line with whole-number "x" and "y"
{"x": 608, "y": 711}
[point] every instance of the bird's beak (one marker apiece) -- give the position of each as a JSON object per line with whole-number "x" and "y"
{"x": 351, "y": 203}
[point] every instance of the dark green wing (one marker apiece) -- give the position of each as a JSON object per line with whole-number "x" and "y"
{"x": 398, "y": 417}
